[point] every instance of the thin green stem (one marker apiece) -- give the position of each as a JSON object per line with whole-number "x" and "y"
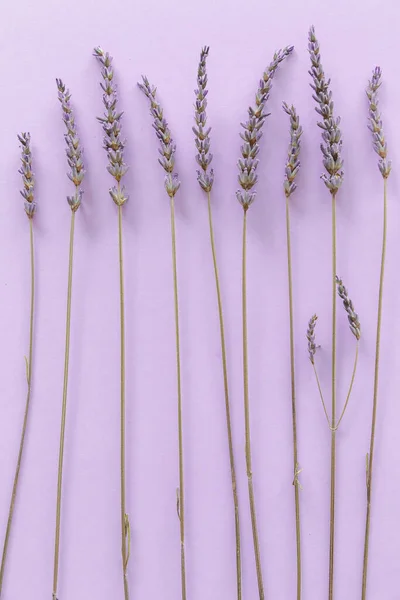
{"x": 370, "y": 457}
{"x": 181, "y": 495}
{"x": 247, "y": 418}
{"x": 294, "y": 411}
{"x": 125, "y": 527}
{"x": 27, "y": 404}
{"x": 353, "y": 375}
{"x": 64, "y": 409}
{"x": 333, "y": 417}
{"x": 227, "y": 407}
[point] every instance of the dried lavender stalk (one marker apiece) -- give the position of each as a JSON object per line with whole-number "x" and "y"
{"x": 331, "y": 148}
{"x": 172, "y": 184}
{"x": 291, "y": 170}
{"x": 76, "y": 175}
{"x": 380, "y": 147}
{"x": 253, "y": 131}
{"x": 355, "y": 329}
{"x": 114, "y": 145}
{"x": 28, "y": 180}
{"x": 205, "y": 177}
{"x": 247, "y": 179}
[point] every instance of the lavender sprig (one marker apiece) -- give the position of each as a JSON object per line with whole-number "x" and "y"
{"x": 74, "y": 150}
{"x": 375, "y": 123}
{"x": 293, "y": 163}
{"x": 201, "y": 131}
{"x": 28, "y": 177}
{"x": 113, "y": 143}
{"x": 312, "y": 348}
{"x": 332, "y": 138}
{"x": 167, "y": 145}
{"x": 352, "y": 316}
{"x": 252, "y": 132}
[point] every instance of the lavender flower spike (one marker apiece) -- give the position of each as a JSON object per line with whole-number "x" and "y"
{"x": 293, "y": 163}
{"x": 168, "y": 147}
{"x": 201, "y": 132}
{"x": 331, "y": 134}
{"x": 111, "y": 122}
{"x": 252, "y": 131}
{"x": 312, "y": 348}
{"x": 74, "y": 150}
{"x": 352, "y": 316}
{"x": 28, "y": 177}
{"x": 375, "y": 123}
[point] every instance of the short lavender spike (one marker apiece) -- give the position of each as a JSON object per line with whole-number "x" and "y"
{"x": 204, "y": 157}
{"x": 167, "y": 146}
{"x": 74, "y": 150}
{"x": 113, "y": 143}
{"x": 331, "y": 135}
{"x": 28, "y": 177}
{"x": 312, "y": 348}
{"x": 375, "y": 123}
{"x": 252, "y": 131}
{"x": 292, "y": 163}
{"x": 352, "y": 316}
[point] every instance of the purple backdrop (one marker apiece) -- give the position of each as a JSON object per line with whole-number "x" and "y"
{"x": 40, "y": 42}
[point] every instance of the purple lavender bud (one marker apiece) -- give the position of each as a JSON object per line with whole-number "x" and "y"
{"x": 292, "y": 163}
{"x": 28, "y": 178}
{"x": 74, "y": 150}
{"x": 332, "y": 146}
{"x": 252, "y": 131}
{"x": 202, "y": 137}
{"x": 167, "y": 146}
{"x": 113, "y": 143}
{"x": 119, "y": 196}
{"x": 375, "y": 123}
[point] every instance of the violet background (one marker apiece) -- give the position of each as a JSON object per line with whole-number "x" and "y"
{"x": 42, "y": 41}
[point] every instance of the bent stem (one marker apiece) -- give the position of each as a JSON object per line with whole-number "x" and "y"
{"x": 125, "y": 527}
{"x": 294, "y": 412}
{"x": 227, "y": 406}
{"x": 370, "y": 457}
{"x": 247, "y": 417}
{"x": 27, "y": 404}
{"x": 64, "y": 409}
{"x": 353, "y": 375}
{"x": 321, "y": 395}
{"x": 180, "y": 492}
{"x": 333, "y": 417}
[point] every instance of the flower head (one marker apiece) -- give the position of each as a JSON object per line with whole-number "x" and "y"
{"x": 28, "y": 177}
{"x": 252, "y": 133}
{"x": 167, "y": 145}
{"x": 204, "y": 157}
{"x": 352, "y": 316}
{"x": 375, "y": 123}
{"x": 74, "y": 149}
{"x": 312, "y": 348}
{"x": 113, "y": 143}
{"x": 331, "y": 134}
{"x": 292, "y": 163}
